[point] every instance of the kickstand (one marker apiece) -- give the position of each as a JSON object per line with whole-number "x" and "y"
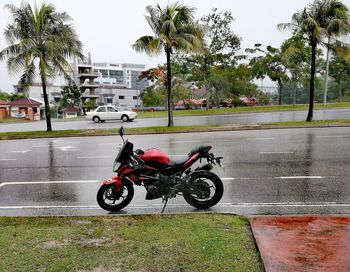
{"x": 165, "y": 200}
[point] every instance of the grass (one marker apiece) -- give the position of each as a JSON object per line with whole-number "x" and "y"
{"x": 194, "y": 242}
{"x": 313, "y": 123}
{"x": 241, "y": 110}
{"x": 103, "y": 132}
{"x": 163, "y": 129}
{"x": 157, "y": 114}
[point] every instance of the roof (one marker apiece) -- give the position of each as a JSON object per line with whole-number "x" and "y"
{"x": 70, "y": 110}
{"x": 196, "y": 102}
{"x": 4, "y": 103}
{"x": 200, "y": 92}
{"x": 25, "y": 102}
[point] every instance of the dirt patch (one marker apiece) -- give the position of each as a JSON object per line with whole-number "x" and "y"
{"x": 55, "y": 244}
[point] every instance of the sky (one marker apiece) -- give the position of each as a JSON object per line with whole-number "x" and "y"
{"x": 108, "y": 28}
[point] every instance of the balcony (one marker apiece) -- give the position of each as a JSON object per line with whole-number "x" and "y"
{"x": 88, "y": 86}
{"x": 83, "y": 76}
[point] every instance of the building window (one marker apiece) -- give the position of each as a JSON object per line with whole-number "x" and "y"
{"x": 109, "y": 100}
{"x": 121, "y": 97}
{"x": 104, "y": 73}
{"x": 134, "y": 97}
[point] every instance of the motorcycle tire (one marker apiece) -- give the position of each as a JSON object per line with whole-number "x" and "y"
{"x": 201, "y": 179}
{"x": 106, "y": 192}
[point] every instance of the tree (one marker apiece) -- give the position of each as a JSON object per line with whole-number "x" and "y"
{"x": 321, "y": 19}
{"x": 10, "y": 97}
{"x": 295, "y": 55}
{"x": 152, "y": 97}
{"x": 269, "y": 63}
{"x": 174, "y": 29}
{"x": 71, "y": 95}
{"x": 340, "y": 72}
{"x": 43, "y": 34}
{"x": 219, "y": 49}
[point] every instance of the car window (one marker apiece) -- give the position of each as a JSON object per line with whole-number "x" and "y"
{"x": 102, "y": 109}
{"x": 110, "y": 109}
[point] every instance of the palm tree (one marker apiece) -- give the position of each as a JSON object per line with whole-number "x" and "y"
{"x": 174, "y": 29}
{"x": 40, "y": 35}
{"x": 320, "y": 19}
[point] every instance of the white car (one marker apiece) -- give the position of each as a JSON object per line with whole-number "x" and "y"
{"x": 103, "y": 113}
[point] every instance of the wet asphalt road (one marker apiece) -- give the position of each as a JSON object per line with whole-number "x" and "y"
{"x": 287, "y": 171}
{"x": 241, "y": 118}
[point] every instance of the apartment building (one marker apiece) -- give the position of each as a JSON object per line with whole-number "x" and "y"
{"x": 110, "y": 83}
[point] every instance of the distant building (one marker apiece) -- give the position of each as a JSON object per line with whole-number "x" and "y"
{"x": 101, "y": 83}
{"x": 110, "y": 83}
{"x": 35, "y": 91}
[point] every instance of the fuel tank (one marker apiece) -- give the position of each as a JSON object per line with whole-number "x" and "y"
{"x": 155, "y": 157}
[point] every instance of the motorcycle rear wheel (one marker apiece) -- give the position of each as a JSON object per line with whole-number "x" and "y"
{"x": 207, "y": 190}
{"x": 107, "y": 198}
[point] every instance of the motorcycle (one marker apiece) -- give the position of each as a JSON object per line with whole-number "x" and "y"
{"x": 162, "y": 177}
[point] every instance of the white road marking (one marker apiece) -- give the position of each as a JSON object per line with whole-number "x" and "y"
{"x": 276, "y": 152}
{"x": 301, "y": 177}
{"x": 95, "y": 157}
{"x": 153, "y": 206}
{"x": 331, "y": 136}
{"x": 67, "y": 148}
{"x": 293, "y": 204}
{"x": 108, "y": 144}
{"x": 183, "y": 142}
{"x": 140, "y": 206}
{"x": 24, "y": 151}
{"x": 63, "y": 142}
{"x": 259, "y": 139}
{"x": 48, "y": 182}
{"x": 95, "y": 181}
{"x": 8, "y": 159}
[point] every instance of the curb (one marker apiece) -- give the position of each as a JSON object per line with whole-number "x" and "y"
{"x": 214, "y": 129}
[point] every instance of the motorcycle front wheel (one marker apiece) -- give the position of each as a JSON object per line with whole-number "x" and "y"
{"x": 113, "y": 201}
{"x": 205, "y": 189}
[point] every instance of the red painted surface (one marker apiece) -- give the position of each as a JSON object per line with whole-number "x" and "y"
{"x": 305, "y": 243}
{"x": 115, "y": 180}
{"x": 191, "y": 161}
{"x": 155, "y": 155}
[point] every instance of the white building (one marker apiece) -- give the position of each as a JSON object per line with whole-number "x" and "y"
{"x": 110, "y": 83}
{"x": 102, "y": 83}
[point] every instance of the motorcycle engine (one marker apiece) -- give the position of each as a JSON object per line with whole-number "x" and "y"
{"x": 158, "y": 188}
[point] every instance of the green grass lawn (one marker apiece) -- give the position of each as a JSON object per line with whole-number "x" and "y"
{"x": 157, "y": 114}
{"x": 192, "y": 242}
{"x": 163, "y": 129}
{"x": 241, "y": 110}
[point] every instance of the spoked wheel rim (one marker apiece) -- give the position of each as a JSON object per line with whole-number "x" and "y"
{"x": 112, "y": 199}
{"x": 204, "y": 191}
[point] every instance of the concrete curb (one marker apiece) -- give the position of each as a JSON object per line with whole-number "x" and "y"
{"x": 213, "y": 129}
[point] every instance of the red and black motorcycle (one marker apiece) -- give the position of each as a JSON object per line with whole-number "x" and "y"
{"x": 162, "y": 177}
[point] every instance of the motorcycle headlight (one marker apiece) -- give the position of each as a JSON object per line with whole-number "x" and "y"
{"x": 116, "y": 166}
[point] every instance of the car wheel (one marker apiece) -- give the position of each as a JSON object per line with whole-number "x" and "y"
{"x": 125, "y": 118}
{"x": 96, "y": 119}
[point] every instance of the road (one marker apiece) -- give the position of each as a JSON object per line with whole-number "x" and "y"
{"x": 287, "y": 171}
{"x": 242, "y": 118}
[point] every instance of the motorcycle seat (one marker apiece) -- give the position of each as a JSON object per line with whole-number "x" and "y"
{"x": 199, "y": 149}
{"x": 177, "y": 162}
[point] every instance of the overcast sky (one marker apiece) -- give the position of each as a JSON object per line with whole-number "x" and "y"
{"x": 107, "y": 28}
